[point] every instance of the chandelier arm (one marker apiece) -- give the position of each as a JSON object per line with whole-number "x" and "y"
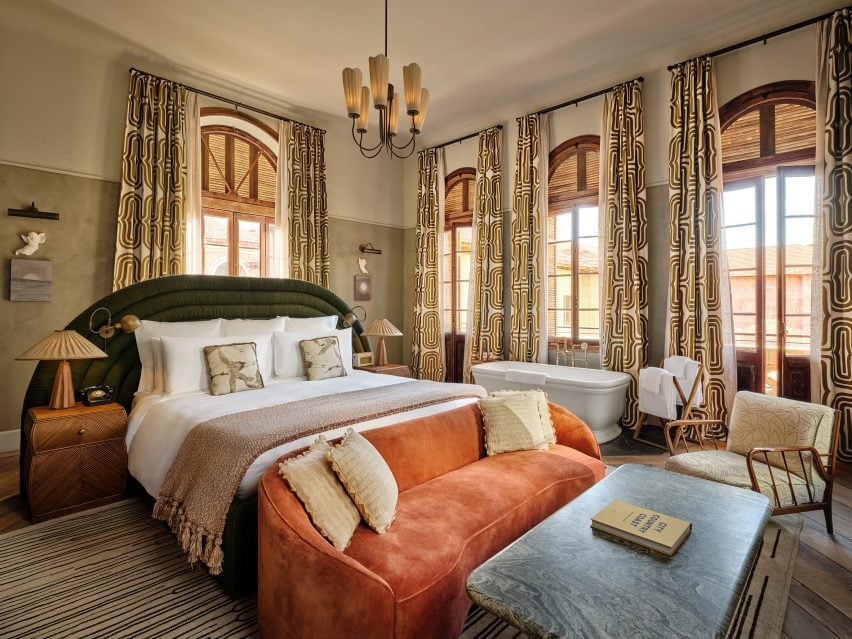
{"x": 404, "y": 146}
{"x": 413, "y": 144}
{"x": 360, "y": 142}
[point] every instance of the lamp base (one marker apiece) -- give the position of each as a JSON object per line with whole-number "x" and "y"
{"x": 381, "y": 353}
{"x": 62, "y": 395}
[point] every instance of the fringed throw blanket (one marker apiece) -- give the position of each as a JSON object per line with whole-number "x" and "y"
{"x": 203, "y": 480}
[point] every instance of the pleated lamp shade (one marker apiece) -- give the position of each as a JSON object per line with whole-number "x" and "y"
{"x": 62, "y": 346}
{"x": 381, "y": 328}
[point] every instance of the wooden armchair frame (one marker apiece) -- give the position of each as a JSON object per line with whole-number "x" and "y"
{"x": 685, "y": 400}
{"x": 825, "y": 469}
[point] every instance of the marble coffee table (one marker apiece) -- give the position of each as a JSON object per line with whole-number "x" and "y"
{"x": 562, "y": 579}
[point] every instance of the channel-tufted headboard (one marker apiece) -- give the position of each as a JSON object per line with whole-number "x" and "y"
{"x": 174, "y": 299}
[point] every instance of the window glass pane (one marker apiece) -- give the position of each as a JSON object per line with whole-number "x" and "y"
{"x": 588, "y": 292}
{"x": 799, "y": 195}
{"x": 588, "y": 221}
{"x": 463, "y": 238}
{"x": 745, "y": 326}
{"x": 562, "y": 293}
{"x": 739, "y": 205}
{"x": 741, "y": 237}
{"x": 589, "y": 327}
{"x": 270, "y": 249}
{"x": 770, "y": 211}
{"x": 561, "y": 228}
{"x": 588, "y": 255}
{"x": 248, "y": 252}
{"x": 744, "y": 290}
{"x": 462, "y": 289}
{"x": 215, "y": 245}
{"x": 461, "y": 322}
{"x": 462, "y": 265}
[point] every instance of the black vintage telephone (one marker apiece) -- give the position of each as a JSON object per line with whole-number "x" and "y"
{"x": 97, "y": 395}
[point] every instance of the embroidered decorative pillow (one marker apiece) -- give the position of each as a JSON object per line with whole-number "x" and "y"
{"x": 367, "y": 478}
{"x": 543, "y": 410}
{"x": 321, "y": 357}
{"x": 329, "y": 506}
{"x": 512, "y": 422}
{"x": 232, "y": 368}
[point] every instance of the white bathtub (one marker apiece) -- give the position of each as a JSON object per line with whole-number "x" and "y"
{"x": 595, "y": 396}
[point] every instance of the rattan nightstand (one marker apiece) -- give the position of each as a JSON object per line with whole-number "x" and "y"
{"x": 76, "y": 458}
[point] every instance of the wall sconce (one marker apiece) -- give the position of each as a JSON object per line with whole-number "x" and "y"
{"x": 351, "y": 317}
{"x": 368, "y": 248}
{"x": 127, "y": 324}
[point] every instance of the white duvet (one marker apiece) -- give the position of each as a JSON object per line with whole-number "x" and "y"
{"x": 159, "y": 423}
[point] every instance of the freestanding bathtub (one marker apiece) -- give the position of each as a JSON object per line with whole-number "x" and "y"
{"x": 595, "y": 396}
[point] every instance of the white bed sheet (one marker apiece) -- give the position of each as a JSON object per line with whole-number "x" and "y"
{"x": 159, "y": 423}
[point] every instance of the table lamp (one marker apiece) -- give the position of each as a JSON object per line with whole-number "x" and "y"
{"x": 381, "y": 328}
{"x": 62, "y": 346}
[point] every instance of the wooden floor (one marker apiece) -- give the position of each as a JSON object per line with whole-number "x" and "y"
{"x": 820, "y": 603}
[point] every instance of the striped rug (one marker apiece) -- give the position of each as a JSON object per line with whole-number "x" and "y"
{"x": 114, "y": 572}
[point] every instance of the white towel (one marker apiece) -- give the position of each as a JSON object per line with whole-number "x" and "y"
{"x": 676, "y": 364}
{"x": 660, "y": 403}
{"x": 687, "y": 380}
{"x": 526, "y": 377}
{"x": 649, "y": 378}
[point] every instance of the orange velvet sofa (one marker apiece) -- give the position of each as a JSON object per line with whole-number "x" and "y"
{"x": 456, "y": 509}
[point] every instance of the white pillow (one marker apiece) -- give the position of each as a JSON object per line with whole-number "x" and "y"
{"x": 252, "y": 326}
{"x": 311, "y": 324}
{"x": 149, "y": 329}
{"x": 288, "y": 357}
{"x": 183, "y": 357}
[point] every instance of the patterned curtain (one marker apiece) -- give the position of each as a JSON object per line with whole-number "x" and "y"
{"x": 528, "y": 269}
{"x": 150, "y": 235}
{"x": 699, "y": 323}
{"x": 485, "y": 304}
{"x": 624, "y": 222}
{"x": 834, "y": 223}
{"x": 307, "y": 204}
{"x": 427, "y": 348}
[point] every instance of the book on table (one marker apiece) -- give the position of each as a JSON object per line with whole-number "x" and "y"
{"x": 643, "y": 526}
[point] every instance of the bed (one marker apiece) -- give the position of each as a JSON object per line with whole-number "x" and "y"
{"x": 157, "y": 421}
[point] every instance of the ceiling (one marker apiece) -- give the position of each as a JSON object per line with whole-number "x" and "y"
{"x": 480, "y": 58}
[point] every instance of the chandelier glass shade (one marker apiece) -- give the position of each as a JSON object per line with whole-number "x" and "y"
{"x": 387, "y": 102}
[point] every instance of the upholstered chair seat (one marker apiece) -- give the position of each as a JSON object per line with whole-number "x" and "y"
{"x": 731, "y": 468}
{"x": 782, "y": 448}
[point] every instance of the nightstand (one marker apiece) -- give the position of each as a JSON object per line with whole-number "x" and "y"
{"x": 400, "y": 370}
{"x": 76, "y": 458}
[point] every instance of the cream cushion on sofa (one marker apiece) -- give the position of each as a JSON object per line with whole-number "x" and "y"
{"x": 513, "y": 422}
{"x": 367, "y": 478}
{"x": 543, "y": 411}
{"x": 316, "y": 485}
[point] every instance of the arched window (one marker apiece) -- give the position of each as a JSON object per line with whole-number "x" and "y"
{"x": 238, "y": 193}
{"x": 458, "y": 218}
{"x": 768, "y": 151}
{"x": 572, "y": 241}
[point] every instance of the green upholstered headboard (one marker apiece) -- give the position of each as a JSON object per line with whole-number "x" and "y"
{"x": 180, "y": 298}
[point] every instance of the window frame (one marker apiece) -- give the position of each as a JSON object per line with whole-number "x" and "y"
{"x": 231, "y": 205}
{"x": 572, "y": 203}
{"x": 753, "y": 173}
{"x": 464, "y": 178}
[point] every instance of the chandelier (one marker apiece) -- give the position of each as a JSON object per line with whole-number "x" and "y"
{"x": 386, "y": 102}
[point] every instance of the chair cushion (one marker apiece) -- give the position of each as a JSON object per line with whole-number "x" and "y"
{"x": 730, "y": 468}
{"x": 446, "y": 527}
{"x": 761, "y": 421}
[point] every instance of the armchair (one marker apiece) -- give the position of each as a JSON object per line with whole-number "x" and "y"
{"x": 784, "y": 449}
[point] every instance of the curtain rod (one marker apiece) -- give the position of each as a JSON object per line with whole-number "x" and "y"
{"x": 467, "y": 137}
{"x": 761, "y": 38}
{"x": 586, "y": 97}
{"x": 237, "y": 105}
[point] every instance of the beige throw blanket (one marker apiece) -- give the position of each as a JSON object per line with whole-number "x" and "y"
{"x": 203, "y": 480}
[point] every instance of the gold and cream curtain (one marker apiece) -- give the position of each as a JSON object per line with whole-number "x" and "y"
{"x": 427, "y": 348}
{"x": 485, "y": 304}
{"x": 699, "y": 323}
{"x": 150, "y": 234}
{"x": 624, "y": 240}
{"x": 307, "y": 205}
{"x": 527, "y": 340}
{"x": 833, "y": 245}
